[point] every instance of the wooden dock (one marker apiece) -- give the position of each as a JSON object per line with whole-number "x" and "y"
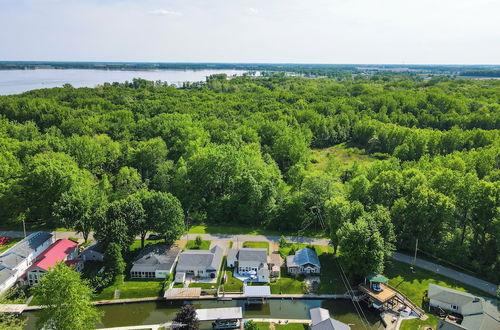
{"x": 13, "y": 308}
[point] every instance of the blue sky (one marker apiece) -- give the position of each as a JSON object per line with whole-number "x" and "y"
{"x": 306, "y": 31}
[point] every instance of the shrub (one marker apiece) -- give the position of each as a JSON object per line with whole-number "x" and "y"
{"x": 282, "y": 242}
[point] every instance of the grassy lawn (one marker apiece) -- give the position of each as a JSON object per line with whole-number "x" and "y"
{"x": 292, "y": 326}
{"x": 286, "y": 285}
{"x": 417, "y": 324}
{"x": 232, "y": 284}
{"x": 245, "y": 230}
{"x": 132, "y": 289}
{"x": 257, "y": 245}
{"x": 12, "y": 242}
{"x": 285, "y": 251}
{"x": 263, "y": 325}
{"x": 205, "y": 286}
{"x": 191, "y": 245}
{"x": 414, "y": 285}
{"x": 330, "y": 283}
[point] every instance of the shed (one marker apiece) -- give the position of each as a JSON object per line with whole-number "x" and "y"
{"x": 180, "y": 277}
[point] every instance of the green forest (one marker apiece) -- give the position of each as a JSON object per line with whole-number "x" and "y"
{"x": 376, "y": 162}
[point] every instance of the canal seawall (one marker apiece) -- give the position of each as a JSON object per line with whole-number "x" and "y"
{"x": 224, "y": 297}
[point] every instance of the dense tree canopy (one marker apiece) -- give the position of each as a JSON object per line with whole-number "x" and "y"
{"x": 125, "y": 159}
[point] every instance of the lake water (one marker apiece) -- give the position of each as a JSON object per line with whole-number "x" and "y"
{"x": 160, "y": 312}
{"x": 18, "y": 81}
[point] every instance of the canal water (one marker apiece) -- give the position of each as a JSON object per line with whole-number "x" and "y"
{"x": 159, "y": 312}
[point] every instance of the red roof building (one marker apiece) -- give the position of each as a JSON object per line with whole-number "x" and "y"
{"x": 60, "y": 250}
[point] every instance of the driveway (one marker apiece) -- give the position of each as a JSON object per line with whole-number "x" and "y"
{"x": 448, "y": 272}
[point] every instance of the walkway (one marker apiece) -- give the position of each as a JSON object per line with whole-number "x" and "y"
{"x": 448, "y": 272}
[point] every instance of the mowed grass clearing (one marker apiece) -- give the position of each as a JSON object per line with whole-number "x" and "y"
{"x": 132, "y": 289}
{"x": 257, "y": 245}
{"x": 340, "y": 156}
{"x": 246, "y": 230}
{"x": 191, "y": 245}
{"x": 287, "y": 285}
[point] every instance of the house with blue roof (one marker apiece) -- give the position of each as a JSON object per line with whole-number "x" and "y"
{"x": 304, "y": 261}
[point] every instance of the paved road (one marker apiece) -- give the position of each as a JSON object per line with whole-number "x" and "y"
{"x": 448, "y": 272}
{"x": 436, "y": 268}
{"x": 259, "y": 238}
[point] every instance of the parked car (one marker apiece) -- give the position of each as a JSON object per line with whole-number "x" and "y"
{"x": 155, "y": 236}
{"x": 4, "y": 240}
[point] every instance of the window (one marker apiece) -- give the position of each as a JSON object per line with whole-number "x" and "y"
{"x": 454, "y": 307}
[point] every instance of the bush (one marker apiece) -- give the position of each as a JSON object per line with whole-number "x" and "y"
{"x": 282, "y": 242}
{"x": 251, "y": 325}
{"x": 74, "y": 239}
{"x": 198, "y": 241}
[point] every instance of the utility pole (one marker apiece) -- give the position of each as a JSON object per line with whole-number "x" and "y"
{"x": 24, "y": 228}
{"x": 415, "y": 257}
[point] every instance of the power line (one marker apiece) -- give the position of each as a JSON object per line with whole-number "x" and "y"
{"x": 357, "y": 306}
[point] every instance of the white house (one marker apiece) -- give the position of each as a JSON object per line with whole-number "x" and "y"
{"x": 477, "y": 313}
{"x": 200, "y": 263}
{"x": 155, "y": 261}
{"x": 250, "y": 260}
{"x": 16, "y": 260}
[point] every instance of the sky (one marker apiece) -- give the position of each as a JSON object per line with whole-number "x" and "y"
{"x": 255, "y": 31}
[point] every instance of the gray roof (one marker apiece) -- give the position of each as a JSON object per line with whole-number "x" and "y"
{"x": 448, "y": 295}
{"x": 302, "y": 257}
{"x": 318, "y": 314}
{"x": 155, "y": 257}
{"x": 249, "y": 257}
{"x": 478, "y": 313}
{"x": 29, "y": 244}
{"x": 16, "y": 254}
{"x": 200, "y": 259}
{"x": 321, "y": 320}
{"x": 330, "y": 324}
{"x": 251, "y": 254}
{"x": 5, "y": 274}
{"x": 96, "y": 247}
{"x": 446, "y": 325}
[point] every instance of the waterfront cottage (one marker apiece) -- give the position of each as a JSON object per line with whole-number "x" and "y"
{"x": 155, "y": 261}
{"x": 250, "y": 261}
{"x": 15, "y": 261}
{"x": 200, "y": 263}
{"x": 304, "y": 261}
{"x": 61, "y": 250}
{"x": 477, "y": 313}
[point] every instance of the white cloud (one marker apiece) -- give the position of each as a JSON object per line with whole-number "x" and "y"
{"x": 164, "y": 12}
{"x": 252, "y": 11}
